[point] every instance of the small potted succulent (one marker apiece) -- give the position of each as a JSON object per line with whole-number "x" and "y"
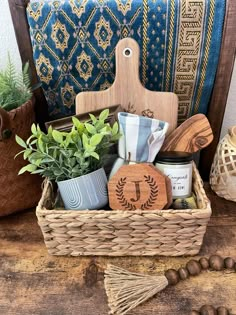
{"x": 73, "y": 159}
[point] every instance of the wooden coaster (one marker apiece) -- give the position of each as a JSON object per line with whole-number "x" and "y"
{"x": 139, "y": 186}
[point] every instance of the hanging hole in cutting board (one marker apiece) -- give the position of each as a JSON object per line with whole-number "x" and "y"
{"x": 127, "y": 52}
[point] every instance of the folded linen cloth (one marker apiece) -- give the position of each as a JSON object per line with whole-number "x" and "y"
{"x": 141, "y": 139}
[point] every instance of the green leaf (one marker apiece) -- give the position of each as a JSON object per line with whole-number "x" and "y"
{"x": 28, "y": 140}
{"x": 57, "y": 136}
{"x": 75, "y": 136}
{"x": 36, "y": 156}
{"x": 27, "y": 153}
{"x": 76, "y": 122}
{"x": 50, "y": 130}
{"x": 79, "y": 125}
{"x": 95, "y": 155}
{"x": 21, "y": 142}
{"x": 84, "y": 139}
{"x": 34, "y": 130}
{"x": 28, "y": 168}
{"x": 90, "y": 128}
{"x": 68, "y": 140}
{"x": 96, "y": 139}
{"x": 38, "y": 129}
{"x": 40, "y": 144}
{"x": 57, "y": 171}
{"x": 93, "y": 118}
{"x": 19, "y": 153}
{"x": 39, "y": 171}
{"x": 54, "y": 153}
{"x": 104, "y": 114}
{"x": 47, "y": 160}
{"x": 37, "y": 162}
{"x": 64, "y": 153}
{"x": 115, "y": 128}
{"x": 78, "y": 154}
{"x": 89, "y": 148}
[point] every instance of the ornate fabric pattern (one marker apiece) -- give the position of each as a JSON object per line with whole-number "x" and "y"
{"x": 74, "y": 44}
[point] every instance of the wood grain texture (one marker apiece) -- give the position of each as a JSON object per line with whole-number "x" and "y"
{"x": 128, "y": 91}
{"x": 138, "y": 186}
{"x": 35, "y": 283}
{"x": 220, "y": 91}
{"x": 191, "y": 136}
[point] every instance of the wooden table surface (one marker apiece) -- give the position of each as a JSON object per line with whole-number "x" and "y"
{"x": 34, "y": 283}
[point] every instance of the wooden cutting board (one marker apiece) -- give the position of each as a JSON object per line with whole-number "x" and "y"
{"x": 128, "y": 91}
{"x": 191, "y": 136}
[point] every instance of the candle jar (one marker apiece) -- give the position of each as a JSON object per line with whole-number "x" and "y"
{"x": 178, "y": 167}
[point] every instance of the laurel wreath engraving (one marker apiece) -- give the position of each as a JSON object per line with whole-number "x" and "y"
{"x": 129, "y": 206}
{"x": 120, "y": 195}
{"x": 153, "y": 192}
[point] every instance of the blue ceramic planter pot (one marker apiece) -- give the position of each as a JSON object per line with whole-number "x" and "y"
{"x": 85, "y": 192}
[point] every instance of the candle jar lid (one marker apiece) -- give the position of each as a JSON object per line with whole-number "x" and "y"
{"x": 173, "y": 157}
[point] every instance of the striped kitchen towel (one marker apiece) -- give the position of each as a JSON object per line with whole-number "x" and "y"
{"x": 141, "y": 139}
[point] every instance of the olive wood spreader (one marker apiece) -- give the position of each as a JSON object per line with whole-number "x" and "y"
{"x": 128, "y": 91}
{"x": 139, "y": 186}
{"x": 191, "y": 136}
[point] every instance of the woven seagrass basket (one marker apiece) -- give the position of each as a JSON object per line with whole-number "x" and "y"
{"x": 124, "y": 233}
{"x": 17, "y": 192}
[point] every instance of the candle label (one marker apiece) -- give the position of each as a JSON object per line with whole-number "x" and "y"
{"x": 180, "y": 181}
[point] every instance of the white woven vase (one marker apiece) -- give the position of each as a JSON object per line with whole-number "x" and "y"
{"x": 223, "y": 169}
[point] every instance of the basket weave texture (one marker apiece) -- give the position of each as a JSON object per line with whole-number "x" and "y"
{"x": 124, "y": 233}
{"x": 223, "y": 169}
{"x": 17, "y": 192}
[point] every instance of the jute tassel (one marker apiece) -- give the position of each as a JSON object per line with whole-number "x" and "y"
{"x": 126, "y": 290}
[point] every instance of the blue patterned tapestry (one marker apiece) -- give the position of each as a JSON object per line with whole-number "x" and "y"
{"x": 74, "y": 42}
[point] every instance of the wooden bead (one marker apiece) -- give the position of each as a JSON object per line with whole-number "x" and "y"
{"x": 221, "y": 310}
{"x": 193, "y": 267}
{"x": 193, "y": 312}
{"x": 216, "y": 262}
{"x": 172, "y": 276}
{"x": 204, "y": 262}
{"x": 208, "y": 310}
{"x": 183, "y": 273}
{"x": 229, "y": 263}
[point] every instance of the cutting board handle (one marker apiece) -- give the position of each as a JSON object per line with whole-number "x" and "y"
{"x": 127, "y": 65}
{"x": 128, "y": 91}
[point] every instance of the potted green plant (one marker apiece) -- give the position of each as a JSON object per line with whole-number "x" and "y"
{"x": 16, "y": 117}
{"x": 73, "y": 159}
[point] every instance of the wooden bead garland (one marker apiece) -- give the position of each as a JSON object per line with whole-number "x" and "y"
{"x": 216, "y": 262}
{"x": 210, "y": 310}
{"x": 204, "y": 262}
{"x": 114, "y": 277}
{"x": 229, "y": 263}
{"x": 194, "y": 268}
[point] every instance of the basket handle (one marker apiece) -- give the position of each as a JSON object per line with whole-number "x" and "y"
{"x": 5, "y": 125}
